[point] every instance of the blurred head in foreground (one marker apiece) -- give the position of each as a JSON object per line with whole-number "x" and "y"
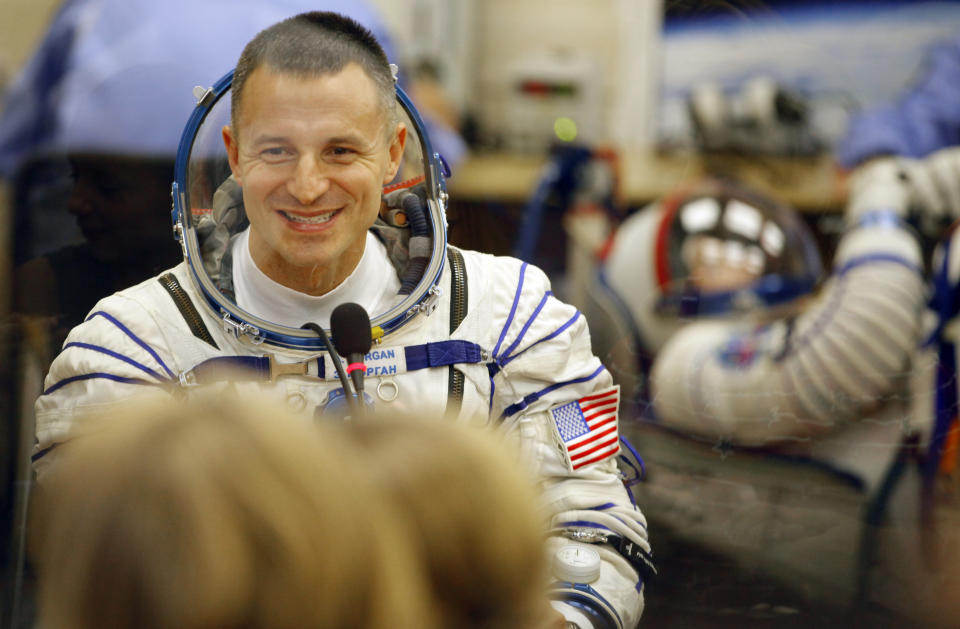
{"x": 474, "y": 505}
{"x": 218, "y": 514}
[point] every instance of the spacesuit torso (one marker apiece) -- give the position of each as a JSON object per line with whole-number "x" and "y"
{"x": 522, "y": 353}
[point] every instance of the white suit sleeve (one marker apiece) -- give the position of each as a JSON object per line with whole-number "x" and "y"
{"x": 797, "y": 377}
{"x": 119, "y": 351}
{"x": 544, "y": 368}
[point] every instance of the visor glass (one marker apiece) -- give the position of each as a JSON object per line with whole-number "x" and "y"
{"x": 212, "y": 216}
{"x": 719, "y": 245}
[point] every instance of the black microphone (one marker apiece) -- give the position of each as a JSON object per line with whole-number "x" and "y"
{"x": 335, "y": 357}
{"x": 350, "y": 325}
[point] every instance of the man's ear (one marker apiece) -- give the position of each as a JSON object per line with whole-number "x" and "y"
{"x": 233, "y": 151}
{"x": 397, "y": 143}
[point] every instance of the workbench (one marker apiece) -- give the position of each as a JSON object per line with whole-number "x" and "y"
{"x": 812, "y": 184}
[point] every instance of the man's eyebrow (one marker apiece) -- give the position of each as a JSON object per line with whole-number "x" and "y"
{"x": 269, "y": 139}
{"x": 353, "y": 139}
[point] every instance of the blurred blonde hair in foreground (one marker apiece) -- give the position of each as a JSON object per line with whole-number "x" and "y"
{"x": 475, "y": 506}
{"x": 222, "y": 514}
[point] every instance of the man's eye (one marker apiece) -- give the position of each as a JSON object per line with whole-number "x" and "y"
{"x": 274, "y": 153}
{"x": 341, "y": 151}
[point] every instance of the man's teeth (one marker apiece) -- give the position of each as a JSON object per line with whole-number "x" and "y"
{"x": 320, "y": 218}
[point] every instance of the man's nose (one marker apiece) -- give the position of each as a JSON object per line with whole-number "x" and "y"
{"x": 310, "y": 180}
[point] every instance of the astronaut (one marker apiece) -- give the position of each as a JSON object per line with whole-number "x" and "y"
{"x": 305, "y": 180}
{"x": 729, "y": 344}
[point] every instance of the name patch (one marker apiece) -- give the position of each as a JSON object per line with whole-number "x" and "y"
{"x": 388, "y": 361}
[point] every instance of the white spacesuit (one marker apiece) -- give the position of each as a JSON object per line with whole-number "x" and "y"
{"x": 775, "y": 372}
{"x": 473, "y": 334}
{"x": 780, "y": 424}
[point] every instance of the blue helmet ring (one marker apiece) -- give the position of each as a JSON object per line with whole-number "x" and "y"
{"x": 208, "y": 212}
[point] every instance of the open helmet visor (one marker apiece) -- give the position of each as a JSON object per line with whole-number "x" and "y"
{"x": 722, "y": 250}
{"x": 208, "y": 213}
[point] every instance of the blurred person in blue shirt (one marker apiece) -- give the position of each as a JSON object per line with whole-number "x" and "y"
{"x": 923, "y": 118}
{"x": 90, "y": 128}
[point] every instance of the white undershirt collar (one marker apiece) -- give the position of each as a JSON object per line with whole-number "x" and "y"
{"x": 373, "y": 285}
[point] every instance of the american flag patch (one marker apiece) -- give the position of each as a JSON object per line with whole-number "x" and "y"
{"x": 587, "y": 428}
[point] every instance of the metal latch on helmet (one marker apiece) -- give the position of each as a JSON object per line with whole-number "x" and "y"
{"x": 239, "y": 328}
{"x": 429, "y": 302}
{"x": 203, "y": 95}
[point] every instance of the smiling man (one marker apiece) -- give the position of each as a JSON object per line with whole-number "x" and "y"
{"x": 312, "y": 157}
{"x": 319, "y": 209}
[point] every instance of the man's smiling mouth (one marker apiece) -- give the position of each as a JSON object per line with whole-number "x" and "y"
{"x": 310, "y": 220}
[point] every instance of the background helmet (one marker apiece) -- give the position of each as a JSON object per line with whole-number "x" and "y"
{"x": 713, "y": 249}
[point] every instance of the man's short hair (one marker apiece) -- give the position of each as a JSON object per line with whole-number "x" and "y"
{"x": 312, "y": 44}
